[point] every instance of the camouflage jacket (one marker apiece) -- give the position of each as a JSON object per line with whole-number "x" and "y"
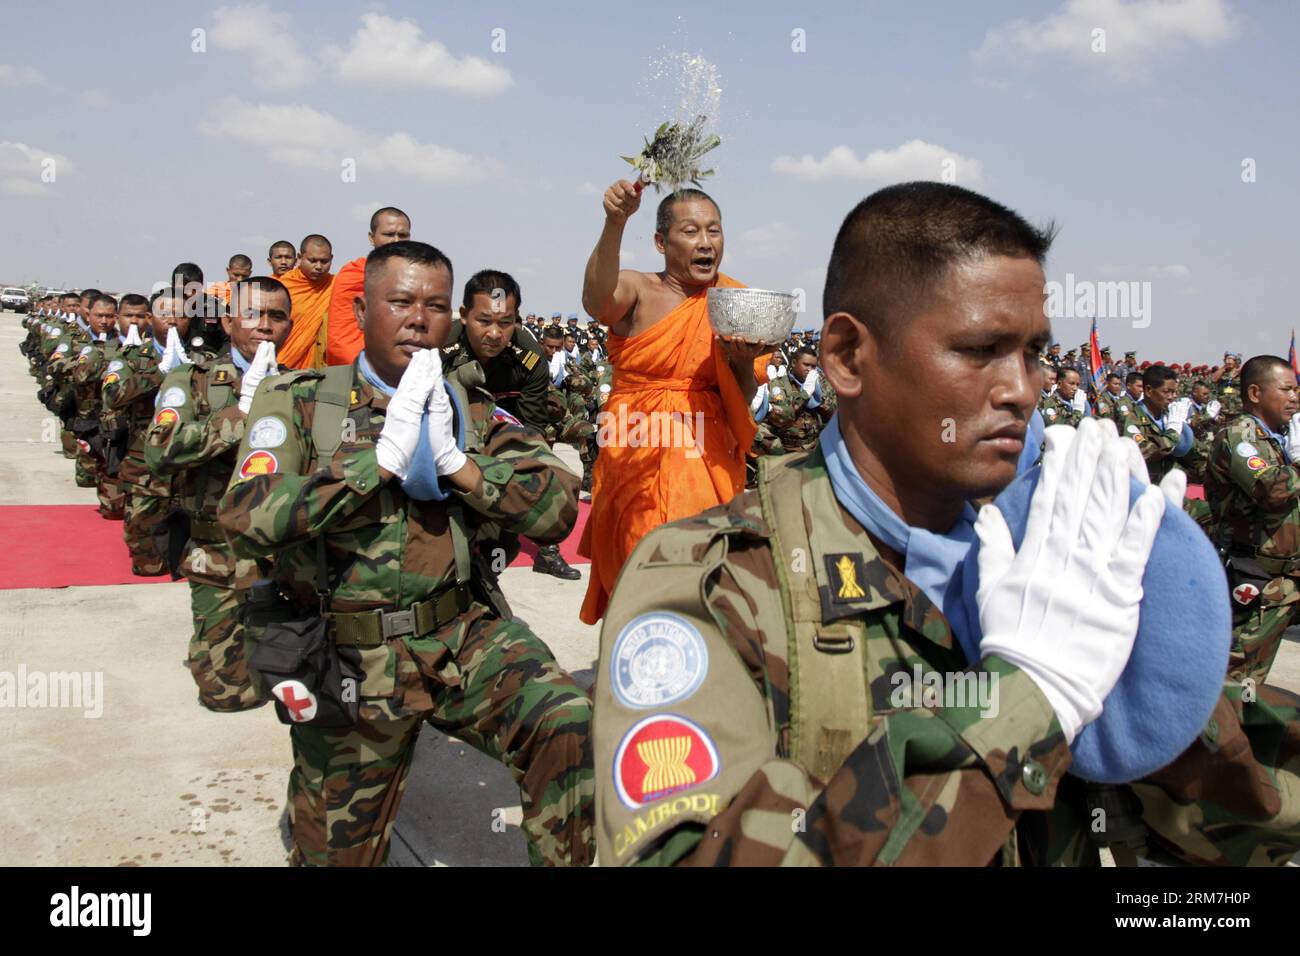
{"x": 384, "y": 550}
{"x": 1156, "y": 444}
{"x": 196, "y": 441}
{"x": 790, "y": 419}
{"x": 1228, "y": 392}
{"x": 1255, "y": 495}
{"x": 129, "y": 394}
{"x": 703, "y": 699}
{"x": 1057, "y": 411}
{"x": 1105, "y": 405}
{"x": 1203, "y": 429}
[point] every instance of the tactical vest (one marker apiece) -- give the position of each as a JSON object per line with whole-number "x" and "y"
{"x": 830, "y": 710}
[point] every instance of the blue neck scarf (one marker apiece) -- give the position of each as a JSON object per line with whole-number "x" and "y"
{"x": 1279, "y": 438}
{"x": 422, "y": 481}
{"x": 160, "y": 349}
{"x": 241, "y": 363}
{"x": 933, "y": 561}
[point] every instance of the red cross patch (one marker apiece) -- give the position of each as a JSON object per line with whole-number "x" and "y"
{"x": 297, "y": 699}
{"x": 1245, "y": 593}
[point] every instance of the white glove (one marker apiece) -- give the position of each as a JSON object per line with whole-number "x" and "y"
{"x": 810, "y": 383}
{"x": 1064, "y": 608}
{"x": 442, "y": 429}
{"x": 173, "y": 353}
{"x": 1293, "y": 438}
{"x": 1080, "y": 401}
{"x": 401, "y": 431}
{"x": 1176, "y": 416}
{"x": 133, "y": 337}
{"x": 262, "y": 365}
{"x": 759, "y": 394}
{"x": 1213, "y": 408}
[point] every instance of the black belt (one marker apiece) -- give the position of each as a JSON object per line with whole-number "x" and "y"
{"x": 372, "y": 628}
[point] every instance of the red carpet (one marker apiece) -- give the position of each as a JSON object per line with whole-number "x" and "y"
{"x": 59, "y": 546}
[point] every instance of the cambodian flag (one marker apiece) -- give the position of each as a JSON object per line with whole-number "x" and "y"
{"x": 1290, "y": 356}
{"x": 1094, "y": 356}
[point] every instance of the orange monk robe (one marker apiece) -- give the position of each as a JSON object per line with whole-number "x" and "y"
{"x": 304, "y": 346}
{"x": 345, "y": 339}
{"x": 220, "y": 290}
{"x": 675, "y": 366}
{"x": 760, "y": 367}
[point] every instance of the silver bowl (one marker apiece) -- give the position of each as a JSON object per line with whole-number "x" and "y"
{"x": 755, "y": 315}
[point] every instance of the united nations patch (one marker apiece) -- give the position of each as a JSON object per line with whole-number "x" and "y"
{"x": 658, "y": 659}
{"x": 174, "y": 397}
{"x": 1132, "y": 429}
{"x": 660, "y": 755}
{"x": 115, "y": 365}
{"x": 268, "y": 432}
{"x": 1247, "y": 450}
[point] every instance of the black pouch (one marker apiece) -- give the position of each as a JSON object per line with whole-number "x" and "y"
{"x": 170, "y": 536}
{"x": 313, "y": 680}
{"x": 1245, "y": 586}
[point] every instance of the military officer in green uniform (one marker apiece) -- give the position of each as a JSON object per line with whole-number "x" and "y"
{"x": 376, "y": 501}
{"x": 751, "y": 703}
{"x": 799, "y": 403}
{"x": 1253, "y": 487}
{"x": 1227, "y": 385}
{"x": 1058, "y": 407}
{"x": 488, "y": 331}
{"x": 194, "y": 437}
{"x": 1108, "y": 397}
{"x": 1158, "y": 423}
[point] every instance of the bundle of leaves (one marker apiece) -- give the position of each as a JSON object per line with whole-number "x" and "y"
{"x": 673, "y": 156}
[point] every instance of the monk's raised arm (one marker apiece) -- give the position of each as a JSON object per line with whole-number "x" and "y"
{"x": 608, "y": 293}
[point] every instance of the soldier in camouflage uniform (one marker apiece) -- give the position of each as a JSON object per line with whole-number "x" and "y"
{"x": 196, "y": 442}
{"x": 488, "y": 332}
{"x": 1058, "y": 407}
{"x": 1253, "y": 487}
{"x": 1108, "y": 398}
{"x": 58, "y": 352}
{"x": 1227, "y": 385}
{"x": 747, "y": 705}
{"x": 1158, "y": 423}
{"x": 412, "y": 581}
{"x": 129, "y": 396}
{"x": 800, "y": 403}
{"x": 82, "y": 397}
{"x": 87, "y": 378}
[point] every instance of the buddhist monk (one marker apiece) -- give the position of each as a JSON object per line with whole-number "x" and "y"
{"x": 309, "y": 285}
{"x": 676, "y": 426}
{"x": 239, "y": 268}
{"x": 387, "y": 225}
{"x": 281, "y": 258}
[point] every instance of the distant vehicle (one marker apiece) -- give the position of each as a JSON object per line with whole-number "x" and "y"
{"x": 12, "y": 297}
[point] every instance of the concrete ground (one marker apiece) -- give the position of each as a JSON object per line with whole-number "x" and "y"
{"x": 158, "y": 779}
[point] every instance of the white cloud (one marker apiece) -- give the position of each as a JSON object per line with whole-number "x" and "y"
{"x": 768, "y": 241}
{"x": 915, "y": 159}
{"x": 386, "y": 51}
{"x": 11, "y": 75}
{"x": 298, "y": 135}
{"x": 22, "y": 166}
{"x": 1176, "y": 271}
{"x": 1135, "y": 33}
{"x": 265, "y": 38}
{"x": 95, "y": 99}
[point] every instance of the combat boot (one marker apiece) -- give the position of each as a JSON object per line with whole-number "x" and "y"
{"x": 548, "y": 561}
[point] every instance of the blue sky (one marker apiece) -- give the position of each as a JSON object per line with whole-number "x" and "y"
{"x": 163, "y": 154}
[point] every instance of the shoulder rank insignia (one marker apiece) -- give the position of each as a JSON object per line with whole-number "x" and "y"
{"x": 845, "y": 569}
{"x": 354, "y": 398}
{"x": 221, "y": 378}
{"x": 529, "y": 360}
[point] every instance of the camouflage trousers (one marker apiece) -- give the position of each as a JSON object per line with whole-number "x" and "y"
{"x": 501, "y": 692}
{"x": 69, "y": 442}
{"x": 1256, "y": 637}
{"x": 1233, "y": 797}
{"x": 216, "y": 651}
{"x": 86, "y": 471}
{"x": 141, "y": 515}
{"x": 112, "y": 499}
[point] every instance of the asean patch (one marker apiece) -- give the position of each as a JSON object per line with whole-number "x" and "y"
{"x": 1245, "y": 593}
{"x": 258, "y": 463}
{"x": 167, "y": 416}
{"x": 661, "y": 755}
{"x": 658, "y": 659}
{"x": 297, "y": 699}
{"x": 268, "y": 432}
{"x": 1247, "y": 450}
{"x": 111, "y": 378}
{"x": 1255, "y": 463}
{"x": 174, "y": 397}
